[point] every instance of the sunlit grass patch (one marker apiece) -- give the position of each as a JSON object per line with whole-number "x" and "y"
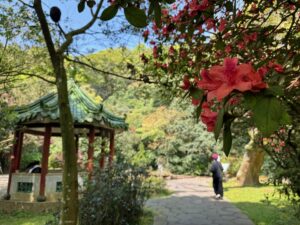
{"x": 262, "y": 204}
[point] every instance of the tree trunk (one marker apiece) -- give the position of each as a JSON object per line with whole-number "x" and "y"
{"x": 69, "y": 210}
{"x": 253, "y": 159}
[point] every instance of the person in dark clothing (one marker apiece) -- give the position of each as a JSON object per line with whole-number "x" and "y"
{"x": 217, "y": 169}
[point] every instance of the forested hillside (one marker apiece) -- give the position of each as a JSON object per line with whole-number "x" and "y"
{"x": 162, "y": 130}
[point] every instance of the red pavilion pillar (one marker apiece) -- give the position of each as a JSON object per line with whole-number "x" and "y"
{"x": 111, "y": 147}
{"x": 14, "y": 160}
{"x": 91, "y": 151}
{"x": 102, "y": 156}
{"x": 44, "y": 171}
{"x": 19, "y": 150}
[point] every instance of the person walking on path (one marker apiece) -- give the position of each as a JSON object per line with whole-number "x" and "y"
{"x": 217, "y": 169}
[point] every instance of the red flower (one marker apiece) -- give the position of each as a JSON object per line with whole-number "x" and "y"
{"x": 208, "y": 117}
{"x": 277, "y": 67}
{"x": 222, "y": 25}
{"x": 241, "y": 45}
{"x": 208, "y": 82}
{"x": 220, "y": 81}
{"x": 210, "y": 24}
{"x": 165, "y": 12}
{"x": 228, "y": 49}
{"x": 195, "y": 101}
{"x": 155, "y": 52}
{"x": 171, "y": 51}
{"x": 146, "y": 33}
{"x": 186, "y": 83}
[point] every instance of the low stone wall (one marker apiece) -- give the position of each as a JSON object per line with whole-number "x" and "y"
{"x": 19, "y": 193}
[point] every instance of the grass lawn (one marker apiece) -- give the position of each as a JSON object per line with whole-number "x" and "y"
{"x": 28, "y": 218}
{"x": 262, "y": 204}
{"x": 24, "y": 218}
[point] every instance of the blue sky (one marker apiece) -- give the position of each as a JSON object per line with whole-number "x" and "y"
{"x": 71, "y": 19}
{"x": 93, "y": 40}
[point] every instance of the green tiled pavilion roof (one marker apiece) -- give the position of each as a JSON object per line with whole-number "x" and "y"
{"x": 83, "y": 109}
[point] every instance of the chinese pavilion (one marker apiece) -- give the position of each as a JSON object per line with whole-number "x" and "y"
{"x": 42, "y": 118}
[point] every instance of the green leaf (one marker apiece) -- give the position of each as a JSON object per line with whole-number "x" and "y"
{"x": 220, "y": 45}
{"x": 275, "y": 91}
{"x": 151, "y": 8}
{"x": 136, "y": 16}
{"x": 91, "y": 3}
{"x": 157, "y": 14}
{"x": 81, "y": 6}
{"x": 196, "y": 93}
{"x": 227, "y": 137}
{"x": 109, "y": 13}
{"x": 170, "y": 1}
{"x": 219, "y": 123}
{"x": 269, "y": 114}
{"x": 229, "y": 6}
{"x": 198, "y": 112}
{"x": 250, "y": 100}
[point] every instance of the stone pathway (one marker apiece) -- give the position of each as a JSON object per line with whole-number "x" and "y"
{"x": 193, "y": 203}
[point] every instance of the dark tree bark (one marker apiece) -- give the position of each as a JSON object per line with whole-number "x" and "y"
{"x": 69, "y": 212}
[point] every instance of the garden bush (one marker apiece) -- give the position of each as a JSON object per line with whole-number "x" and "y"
{"x": 115, "y": 196}
{"x": 156, "y": 186}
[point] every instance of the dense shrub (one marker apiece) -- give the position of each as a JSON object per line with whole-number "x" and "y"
{"x": 156, "y": 186}
{"x": 115, "y": 197}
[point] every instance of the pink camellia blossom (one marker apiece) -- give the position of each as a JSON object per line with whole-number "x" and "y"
{"x": 220, "y": 81}
{"x": 208, "y": 117}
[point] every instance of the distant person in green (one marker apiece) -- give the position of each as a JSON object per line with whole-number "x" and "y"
{"x": 217, "y": 170}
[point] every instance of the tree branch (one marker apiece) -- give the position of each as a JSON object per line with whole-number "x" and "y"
{"x": 45, "y": 29}
{"x": 18, "y": 73}
{"x": 144, "y": 79}
{"x": 26, "y": 4}
{"x": 69, "y": 36}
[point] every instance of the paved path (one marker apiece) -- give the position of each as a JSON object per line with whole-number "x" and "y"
{"x": 193, "y": 203}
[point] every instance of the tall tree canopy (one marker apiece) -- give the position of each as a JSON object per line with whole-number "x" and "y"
{"x": 237, "y": 60}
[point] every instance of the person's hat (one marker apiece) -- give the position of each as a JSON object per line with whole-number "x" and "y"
{"x": 214, "y": 156}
